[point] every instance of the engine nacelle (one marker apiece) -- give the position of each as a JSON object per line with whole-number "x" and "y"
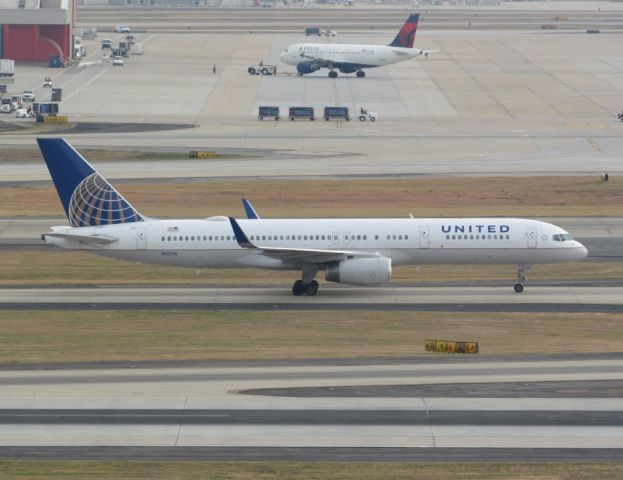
{"x": 306, "y": 67}
{"x": 348, "y": 70}
{"x": 364, "y": 272}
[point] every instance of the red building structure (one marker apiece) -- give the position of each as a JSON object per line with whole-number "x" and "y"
{"x": 35, "y": 30}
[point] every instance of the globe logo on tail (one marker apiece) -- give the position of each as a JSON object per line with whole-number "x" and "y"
{"x": 96, "y": 202}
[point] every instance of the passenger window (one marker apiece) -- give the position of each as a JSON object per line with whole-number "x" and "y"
{"x": 168, "y": 239}
{"x": 376, "y": 237}
{"x": 365, "y": 237}
{"x": 406, "y": 237}
{"x": 453, "y": 237}
{"x": 508, "y": 237}
{"x": 222, "y": 238}
{"x": 192, "y": 238}
{"x": 280, "y": 237}
{"x": 447, "y": 237}
{"x": 399, "y": 237}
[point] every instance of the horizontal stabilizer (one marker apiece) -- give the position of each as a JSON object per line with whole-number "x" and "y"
{"x": 89, "y": 239}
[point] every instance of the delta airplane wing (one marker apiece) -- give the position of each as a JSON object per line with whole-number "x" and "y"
{"x": 352, "y": 251}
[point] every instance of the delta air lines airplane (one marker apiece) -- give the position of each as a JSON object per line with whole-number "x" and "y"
{"x": 351, "y": 251}
{"x": 309, "y": 57}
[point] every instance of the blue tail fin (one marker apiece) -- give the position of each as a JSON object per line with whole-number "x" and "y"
{"x": 88, "y": 199}
{"x": 406, "y": 35}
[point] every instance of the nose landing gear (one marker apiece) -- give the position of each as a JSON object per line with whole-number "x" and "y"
{"x": 521, "y": 277}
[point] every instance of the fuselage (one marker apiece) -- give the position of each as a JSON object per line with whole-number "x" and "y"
{"x": 211, "y": 243}
{"x": 347, "y": 56}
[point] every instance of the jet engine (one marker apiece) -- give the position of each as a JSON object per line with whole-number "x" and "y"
{"x": 307, "y": 67}
{"x": 365, "y": 272}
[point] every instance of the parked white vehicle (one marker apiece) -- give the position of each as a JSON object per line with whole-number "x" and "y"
{"x": 117, "y": 61}
{"x": 28, "y": 96}
{"x": 5, "y": 105}
{"x": 24, "y": 113}
{"x": 122, "y": 29}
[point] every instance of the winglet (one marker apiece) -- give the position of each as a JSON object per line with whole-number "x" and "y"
{"x": 248, "y": 208}
{"x": 241, "y": 237}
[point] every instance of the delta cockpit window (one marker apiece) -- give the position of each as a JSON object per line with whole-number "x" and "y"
{"x": 561, "y": 237}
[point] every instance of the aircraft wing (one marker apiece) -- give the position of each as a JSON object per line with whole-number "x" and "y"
{"x": 319, "y": 62}
{"x": 87, "y": 239}
{"x": 310, "y": 255}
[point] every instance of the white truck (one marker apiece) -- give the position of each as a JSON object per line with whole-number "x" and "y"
{"x": 7, "y": 67}
{"x": 262, "y": 69}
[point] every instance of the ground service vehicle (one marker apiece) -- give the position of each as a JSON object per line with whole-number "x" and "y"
{"x": 117, "y": 61}
{"x": 301, "y": 112}
{"x": 122, "y": 29}
{"x": 47, "y": 82}
{"x": 106, "y": 44}
{"x": 7, "y": 67}
{"x": 365, "y": 115}
{"x": 28, "y": 96}
{"x": 313, "y": 31}
{"x": 620, "y": 117}
{"x": 5, "y": 105}
{"x": 16, "y": 102}
{"x": 268, "y": 112}
{"x": 262, "y": 70}
{"x": 24, "y": 113}
{"x": 124, "y": 49}
{"x": 336, "y": 112}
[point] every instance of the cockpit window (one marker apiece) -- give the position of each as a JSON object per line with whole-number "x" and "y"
{"x": 561, "y": 237}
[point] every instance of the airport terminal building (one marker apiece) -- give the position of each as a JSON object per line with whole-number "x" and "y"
{"x": 35, "y": 30}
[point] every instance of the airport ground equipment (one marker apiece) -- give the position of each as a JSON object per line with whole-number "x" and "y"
{"x": 370, "y": 116}
{"x": 7, "y": 67}
{"x": 57, "y": 94}
{"x": 450, "y": 346}
{"x": 306, "y": 113}
{"x": 47, "y": 82}
{"x": 313, "y": 31}
{"x": 620, "y": 117}
{"x": 262, "y": 69}
{"x": 268, "y": 112}
{"x": 336, "y": 112}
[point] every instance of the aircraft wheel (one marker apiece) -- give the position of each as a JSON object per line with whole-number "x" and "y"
{"x": 361, "y": 74}
{"x": 311, "y": 288}
{"x": 298, "y": 288}
{"x": 332, "y": 74}
{"x": 518, "y": 288}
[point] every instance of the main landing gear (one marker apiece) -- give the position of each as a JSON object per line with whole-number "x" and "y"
{"x": 307, "y": 285}
{"x": 299, "y": 288}
{"x": 521, "y": 277}
{"x": 332, "y": 74}
{"x": 361, "y": 74}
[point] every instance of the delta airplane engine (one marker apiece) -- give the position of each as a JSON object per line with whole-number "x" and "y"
{"x": 364, "y": 272}
{"x": 307, "y": 67}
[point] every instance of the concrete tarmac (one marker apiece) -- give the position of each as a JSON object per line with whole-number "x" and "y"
{"x": 176, "y": 410}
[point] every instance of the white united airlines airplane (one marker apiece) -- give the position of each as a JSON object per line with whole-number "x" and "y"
{"x": 309, "y": 57}
{"x": 351, "y": 251}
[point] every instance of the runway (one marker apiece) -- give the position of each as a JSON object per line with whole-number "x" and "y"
{"x": 208, "y": 411}
{"x": 330, "y": 297}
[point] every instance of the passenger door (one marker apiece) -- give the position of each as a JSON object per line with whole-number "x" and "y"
{"x": 531, "y": 234}
{"x": 424, "y": 236}
{"x": 141, "y": 238}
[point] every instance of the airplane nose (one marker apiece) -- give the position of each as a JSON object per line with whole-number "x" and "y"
{"x": 581, "y": 249}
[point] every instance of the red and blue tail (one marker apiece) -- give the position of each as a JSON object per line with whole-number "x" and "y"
{"x": 406, "y": 35}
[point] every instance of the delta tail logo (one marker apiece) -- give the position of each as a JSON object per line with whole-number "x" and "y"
{"x": 406, "y": 35}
